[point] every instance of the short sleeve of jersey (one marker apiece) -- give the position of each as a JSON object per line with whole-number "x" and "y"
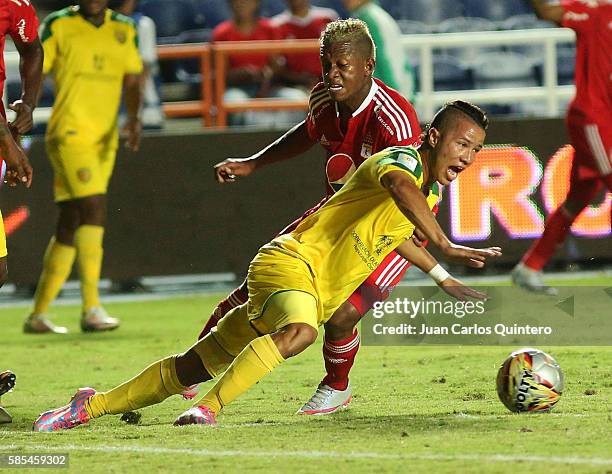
{"x": 133, "y": 63}
{"x": 24, "y": 23}
{"x": 578, "y": 14}
{"x": 403, "y": 159}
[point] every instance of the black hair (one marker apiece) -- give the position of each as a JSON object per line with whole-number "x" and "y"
{"x": 474, "y": 112}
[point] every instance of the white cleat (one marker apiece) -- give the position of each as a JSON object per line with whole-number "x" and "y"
{"x": 327, "y": 400}
{"x": 97, "y": 319}
{"x": 190, "y": 392}
{"x": 531, "y": 280}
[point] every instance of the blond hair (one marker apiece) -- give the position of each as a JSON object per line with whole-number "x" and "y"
{"x": 352, "y": 31}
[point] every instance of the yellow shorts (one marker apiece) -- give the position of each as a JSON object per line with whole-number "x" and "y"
{"x": 3, "y": 250}
{"x": 274, "y": 270}
{"x": 81, "y": 170}
{"x": 235, "y": 331}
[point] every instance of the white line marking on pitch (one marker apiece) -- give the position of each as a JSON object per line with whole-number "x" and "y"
{"x": 319, "y": 454}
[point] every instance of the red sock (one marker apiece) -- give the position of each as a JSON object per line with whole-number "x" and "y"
{"x": 555, "y": 231}
{"x": 236, "y": 298}
{"x": 339, "y": 358}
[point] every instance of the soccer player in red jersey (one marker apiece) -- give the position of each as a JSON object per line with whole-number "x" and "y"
{"x": 17, "y": 19}
{"x": 352, "y": 115}
{"x": 589, "y": 124}
{"x": 303, "y": 21}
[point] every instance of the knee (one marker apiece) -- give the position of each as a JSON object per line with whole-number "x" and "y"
{"x": 294, "y": 338}
{"x": 342, "y": 323}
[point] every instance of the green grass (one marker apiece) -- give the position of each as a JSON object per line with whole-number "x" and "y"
{"x": 416, "y": 409}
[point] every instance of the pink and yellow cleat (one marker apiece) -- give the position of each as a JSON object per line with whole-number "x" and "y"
{"x": 66, "y": 417}
{"x": 200, "y": 415}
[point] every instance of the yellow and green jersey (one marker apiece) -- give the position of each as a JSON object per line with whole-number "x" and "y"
{"x": 347, "y": 238}
{"x": 88, "y": 64}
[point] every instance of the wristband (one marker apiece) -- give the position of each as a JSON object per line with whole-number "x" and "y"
{"x": 438, "y": 274}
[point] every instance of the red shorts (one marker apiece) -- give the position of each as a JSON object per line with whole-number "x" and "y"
{"x": 592, "y": 142}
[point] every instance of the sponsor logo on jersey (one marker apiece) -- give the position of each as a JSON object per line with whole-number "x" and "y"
{"x": 573, "y": 16}
{"x": 382, "y": 243}
{"x": 120, "y": 36}
{"x": 323, "y": 141}
{"x": 21, "y": 25}
{"x": 384, "y": 124}
{"x": 408, "y": 161}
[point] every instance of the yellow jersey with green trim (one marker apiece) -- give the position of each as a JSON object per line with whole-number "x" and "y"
{"x": 348, "y": 237}
{"x": 88, "y": 64}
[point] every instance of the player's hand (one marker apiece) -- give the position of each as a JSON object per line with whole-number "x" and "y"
{"x": 458, "y": 290}
{"x": 23, "y": 120}
{"x": 18, "y": 168}
{"x": 419, "y": 238}
{"x": 228, "y": 170}
{"x": 469, "y": 256}
{"x": 133, "y": 131}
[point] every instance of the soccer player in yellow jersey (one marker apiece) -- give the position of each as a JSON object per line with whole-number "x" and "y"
{"x": 298, "y": 280}
{"x": 92, "y": 54}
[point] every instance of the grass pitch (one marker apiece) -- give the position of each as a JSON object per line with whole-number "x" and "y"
{"x": 415, "y": 409}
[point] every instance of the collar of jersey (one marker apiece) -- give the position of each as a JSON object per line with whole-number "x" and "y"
{"x": 365, "y": 102}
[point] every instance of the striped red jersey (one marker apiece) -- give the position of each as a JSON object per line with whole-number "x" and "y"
{"x": 384, "y": 119}
{"x": 592, "y": 22}
{"x": 18, "y": 19}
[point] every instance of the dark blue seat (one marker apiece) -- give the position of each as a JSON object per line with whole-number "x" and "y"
{"x": 270, "y": 8}
{"x": 211, "y": 12}
{"x": 566, "y": 64}
{"x": 171, "y": 17}
{"x": 449, "y": 74}
{"x": 496, "y": 10}
{"x": 430, "y": 12}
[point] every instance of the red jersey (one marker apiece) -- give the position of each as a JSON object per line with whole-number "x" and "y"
{"x": 18, "y": 19}
{"x": 384, "y": 119}
{"x": 308, "y": 27}
{"x": 263, "y": 30}
{"x": 592, "y": 22}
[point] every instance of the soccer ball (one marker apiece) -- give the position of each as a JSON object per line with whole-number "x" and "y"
{"x": 529, "y": 380}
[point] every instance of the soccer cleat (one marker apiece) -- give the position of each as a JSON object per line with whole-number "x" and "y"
{"x": 190, "y": 392}
{"x": 327, "y": 400}
{"x": 531, "y": 280}
{"x": 39, "y": 324}
{"x": 97, "y": 319}
{"x": 7, "y": 381}
{"x": 200, "y": 415}
{"x": 66, "y": 417}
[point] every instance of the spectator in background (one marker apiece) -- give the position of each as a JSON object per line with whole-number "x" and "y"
{"x": 253, "y": 75}
{"x": 392, "y": 66}
{"x": 303, "y": 21}
{"x": 152, "y": 115}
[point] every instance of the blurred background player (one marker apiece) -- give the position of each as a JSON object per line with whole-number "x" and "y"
{"x": 302, "y": 21}
{"x": 392, "y": 65}
{"x": 352, "y": 116}
{"x": 18, "y": 20}
{"x": 92, "y": 54}
{"x": 589, "y": 125}
{"x": 297, "y": 281}
{"x": 252, "y": 75}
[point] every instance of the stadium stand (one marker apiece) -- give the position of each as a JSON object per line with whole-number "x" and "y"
{"x": 171, "y": 18}
{"x": 496, "y": 10}
{"x": 450, "y": 73}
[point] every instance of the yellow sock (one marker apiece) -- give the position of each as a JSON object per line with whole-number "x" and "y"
{"x": 88, "y": 242}
{"x": 255, "y": 361}
{"x": 57, "y": 264}
{"x": 153, "y": 385}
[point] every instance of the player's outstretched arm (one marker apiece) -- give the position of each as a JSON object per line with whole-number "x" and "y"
{"x": 18, "y": 169}
{"x": 30, "y": 70}
{"x": 427, "y": 263}
{"x": 548, "y": 11}
{"x": 411, "y": 201}
{"x": 293, "y": 143}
